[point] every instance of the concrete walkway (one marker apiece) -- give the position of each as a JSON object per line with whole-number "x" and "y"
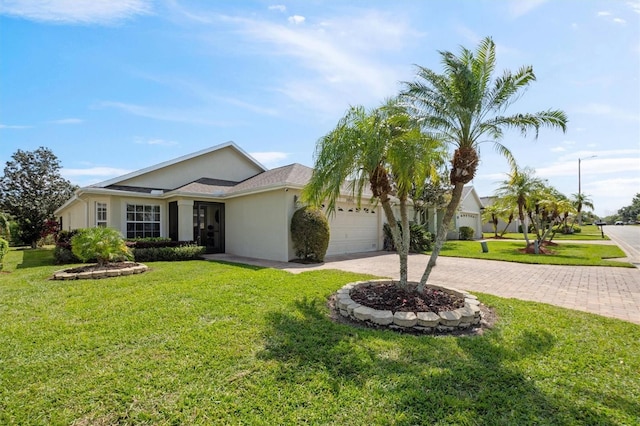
{"x": 611, "y": 292}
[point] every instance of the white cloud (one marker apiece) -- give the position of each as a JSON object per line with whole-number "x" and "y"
{"x": 67, "y": 121}
{"x": 619, "y": 21}
{"x": 168, "y": 114}
{"x": 296, "y": 19}
{"x": 278, "y": 7}
{"x": 13, "y": 126}
{"x": 622, "y": 161}
{"x": 558, "y": 149}
{"x": 76, "y": 11}
{"x": 156, "y": 141}
{"x": 634, "y": 5}
{"x": 604, "y": 13}
{"x": 270, "y": 159}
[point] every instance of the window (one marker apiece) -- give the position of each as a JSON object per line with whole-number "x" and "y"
{"x": 143, "y": 221}
{"x": 101, "y": 215}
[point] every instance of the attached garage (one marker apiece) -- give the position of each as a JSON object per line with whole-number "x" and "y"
{"x": 355, "y": 230}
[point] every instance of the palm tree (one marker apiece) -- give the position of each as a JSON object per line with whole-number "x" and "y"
{"x": 518, "y": 190}
{"x": 464, "y": 107}
{"x": 579, "y": 201}
{"x": 383, "y": 149}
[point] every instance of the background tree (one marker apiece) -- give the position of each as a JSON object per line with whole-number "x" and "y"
{"x": 31, "y": 189}
{"x": 5, "y": 228}
{"x": 383, "y": 149}
{"x": 464, "y": 107}
{"x": 631, "y": 212}
{"x": 579, "y": 201}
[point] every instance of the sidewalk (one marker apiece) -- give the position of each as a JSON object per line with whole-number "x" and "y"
{"x": 607, "y": 291}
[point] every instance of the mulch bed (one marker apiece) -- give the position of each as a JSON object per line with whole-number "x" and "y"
{"x": 391, "y": 297}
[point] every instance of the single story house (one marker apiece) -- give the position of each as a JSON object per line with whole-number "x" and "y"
{"x": 469, "y": 213}
{"x": 222, "y": 199}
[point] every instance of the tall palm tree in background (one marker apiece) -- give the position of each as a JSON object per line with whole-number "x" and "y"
{"x": 383, "y": 149}
{"x": 464, "y": 107}
{"x": 579, "y": 201}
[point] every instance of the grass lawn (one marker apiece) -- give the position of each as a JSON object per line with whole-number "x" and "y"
{"x": 588, "y": 232}
{"x": 565, "y": 253}
{"x": 211, "y": 343}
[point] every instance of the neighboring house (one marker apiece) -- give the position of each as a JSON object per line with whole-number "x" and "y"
{"x": 220, "y": 198}
{"x": 488, "y": 226}
{"x": 469, "y": 213}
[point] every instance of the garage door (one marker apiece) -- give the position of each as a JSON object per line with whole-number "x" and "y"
{"x": 354, "y": 230}
{"x": 470, "y": 220}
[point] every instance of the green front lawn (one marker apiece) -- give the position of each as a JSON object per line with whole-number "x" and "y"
{"x": 211, "y": 343}
{"x": 588, "y": 232}
{"x": 564, "y": 253}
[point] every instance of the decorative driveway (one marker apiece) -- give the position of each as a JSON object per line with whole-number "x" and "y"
{"x": 611, "y": 292}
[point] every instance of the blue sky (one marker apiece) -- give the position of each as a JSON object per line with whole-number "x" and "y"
{"x": 114, "y": 86}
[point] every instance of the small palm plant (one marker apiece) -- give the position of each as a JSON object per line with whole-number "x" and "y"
{"x": 103, "y": 244}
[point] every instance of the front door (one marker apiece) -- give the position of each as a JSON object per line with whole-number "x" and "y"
{"x": 208, "y": 226}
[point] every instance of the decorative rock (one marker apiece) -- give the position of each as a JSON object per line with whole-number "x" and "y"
{"x": 405, "y": 319}
{"x": 467, "y": 314}
{"x": 65, "y": 276}
{"x": 352, "y": 306}
{"x": 424, "y": 322}
{"x": 450, "y": 318}
{"x": 382, "y": 317}
{"x": 470, "y": 301}
{"x": 84, "y": 275}
{"x": 428, "y": 319}
{"x": 98, "y": 274}
{"x": 363, "y": 313}
{"x": 113, "y": 272}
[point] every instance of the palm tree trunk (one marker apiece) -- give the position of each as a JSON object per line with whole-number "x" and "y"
{"x": 397, "y": 239}
{"x": 456, "y": 195}
{"x": 525, "y": 226}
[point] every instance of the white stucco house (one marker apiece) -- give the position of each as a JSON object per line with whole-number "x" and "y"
{"x": 469, "y": 213}
{"x": 225, "y": 200}
{"x": 221, "y": 198}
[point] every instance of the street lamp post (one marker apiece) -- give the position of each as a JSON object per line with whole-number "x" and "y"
{"x": 580, "y": 187}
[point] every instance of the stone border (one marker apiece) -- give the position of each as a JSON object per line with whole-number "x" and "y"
{"x": 424, "y": 322}
{"x": 135, "y": 268}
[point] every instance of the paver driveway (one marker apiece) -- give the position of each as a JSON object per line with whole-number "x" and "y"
{"x": 611, "y": 292}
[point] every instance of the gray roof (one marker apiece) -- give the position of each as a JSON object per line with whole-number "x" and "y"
{"x": 208, "y": 186}
{"x": 292, "y": 175}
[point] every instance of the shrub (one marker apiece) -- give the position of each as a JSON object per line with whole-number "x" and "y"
{"x": 466, "y": 233}
{"x": 420, "y": 240}
{"x": 155, "y": 254}
{"x": 566, "y": 229}
{"x": 62, "y": 256}
{"x": 310, "y": 234}
{"x": 141, "y": 243}
{"x": 4, "y": 248}
{"x": 103, "y": 244}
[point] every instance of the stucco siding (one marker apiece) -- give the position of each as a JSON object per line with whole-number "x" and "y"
{"x": 226, "y": 164}
{"x": 257, "y": 225}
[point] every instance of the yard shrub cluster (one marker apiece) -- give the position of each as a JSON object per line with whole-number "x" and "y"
{"x": 420, "y": 240}
{"x": 310, "y": 234}
{"x": 4, "y": 248}
{"x": 466, "y": 233}
{"x": 566, "y": 229}
{"x": 143, "y": 249}
{"x": 103, "y": 244}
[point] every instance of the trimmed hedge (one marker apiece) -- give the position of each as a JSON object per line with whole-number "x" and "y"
{"x": 466, "y": 233}
{"x": 310, "y": 234}
{"x": 156, "y": 254}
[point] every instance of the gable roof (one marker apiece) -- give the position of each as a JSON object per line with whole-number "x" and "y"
{"x": 187, "y": 157}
